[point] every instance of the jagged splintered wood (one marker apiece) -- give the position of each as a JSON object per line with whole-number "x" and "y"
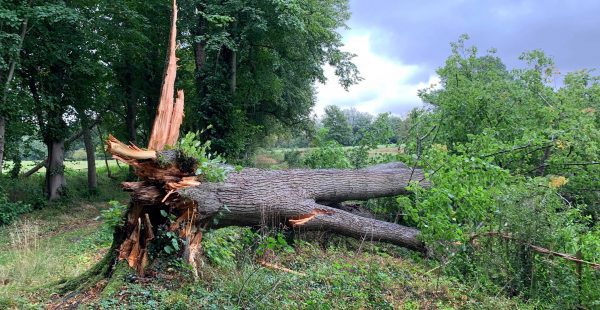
{"x": 165, "y": 130}
{"x": 297, "y": 199}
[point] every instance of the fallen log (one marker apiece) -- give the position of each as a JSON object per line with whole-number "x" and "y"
{"x": 297, "y": 199}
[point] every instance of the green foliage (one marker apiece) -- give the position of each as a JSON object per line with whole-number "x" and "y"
{"x": 462, "y": 196}
{"x": 79, "y": 154}
{"x": 114, "y": 216}
{"x": 222, "y": 245}
{"x": 293, "y": 158}
{"x": 9, "y": 211}
{"x": 337, "y": 126}
{"x": 513, "y": 164}
{"x": 329, "y": 155}
{"x": 211, "y": 167}
{"x": 262, "y": 60}
{"x": 272, "y": 243}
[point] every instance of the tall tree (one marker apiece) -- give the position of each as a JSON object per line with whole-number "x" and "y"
{"x": 359, "y": 121}
{"x": 14, "y": 20}
{"x": 336, "y": 123}
{"x": 57, "y": 62}
{"x": 256, "y": 62}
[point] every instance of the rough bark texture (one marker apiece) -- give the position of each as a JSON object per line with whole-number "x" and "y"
{"x": 55, "y": 176}
{"x": 2, "y": 133}
{"x": 91, "y": 158}
{"x": 255, "y": 197}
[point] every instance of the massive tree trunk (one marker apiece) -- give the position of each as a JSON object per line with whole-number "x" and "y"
{"x": 55, "y": 172}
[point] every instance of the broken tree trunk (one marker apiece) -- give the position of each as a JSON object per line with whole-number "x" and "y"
{"x": 298, "y": 199}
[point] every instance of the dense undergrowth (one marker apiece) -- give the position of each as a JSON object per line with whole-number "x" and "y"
{"x": 62, "y": 242}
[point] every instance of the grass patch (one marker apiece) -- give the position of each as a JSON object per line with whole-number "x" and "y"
{"x": 377, "y": 277}
{"x": 36, "y": 253}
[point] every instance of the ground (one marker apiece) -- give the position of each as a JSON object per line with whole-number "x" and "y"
{"x": 63, "y": 241}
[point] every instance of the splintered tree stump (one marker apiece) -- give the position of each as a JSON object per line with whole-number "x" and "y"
{"x": 299, "y": 199}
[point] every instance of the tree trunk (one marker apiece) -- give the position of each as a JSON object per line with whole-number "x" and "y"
{"x": 90, "y": 156}
{"x": 299, "y": 199}
{"x": 2, "y": 133}
{"x": 71, "y": 139}
{"x": 55, "y": 173}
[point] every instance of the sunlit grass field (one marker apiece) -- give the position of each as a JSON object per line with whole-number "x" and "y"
{"x": 78, "y": 165}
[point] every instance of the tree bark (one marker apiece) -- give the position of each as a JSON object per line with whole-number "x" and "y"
{"x": 74, "y": 137}
{"x": 90, "y": 156}
{"x": 55, "y": 174}
{"x": 2, "y": 133}
{"x": 257, "y": 197}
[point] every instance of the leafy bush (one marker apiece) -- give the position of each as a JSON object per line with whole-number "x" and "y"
{"x": 293, "y": 158}
{"x": 330, "y": 155}
{"x": 210, "y": 166}
{"x": 221, "y": 245}
{"x": 114, "y": 216}
{"x": 9, "y": 211}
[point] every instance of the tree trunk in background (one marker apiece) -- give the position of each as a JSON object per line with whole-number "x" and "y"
{"x": 2, "y": 132}
{"x": 233, "y": 72}
{"x": 55, "y": 171}
{"x": 67, "y": 143}
{"x": 91, "y": 157}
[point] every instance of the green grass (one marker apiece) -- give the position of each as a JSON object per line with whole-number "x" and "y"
{"x": 46, "y": 246}
{"x": 77, "y": 165}
{"x": 342, "y": 277}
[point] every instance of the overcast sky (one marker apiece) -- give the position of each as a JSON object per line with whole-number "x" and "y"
{"x": 400, "y": 43}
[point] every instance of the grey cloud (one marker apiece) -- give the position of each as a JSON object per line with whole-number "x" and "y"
{"x": 419, "y": 32}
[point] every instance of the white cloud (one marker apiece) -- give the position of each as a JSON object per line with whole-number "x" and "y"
{"x": 387, "y": 84}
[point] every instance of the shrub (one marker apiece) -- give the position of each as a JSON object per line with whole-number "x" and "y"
{"x": 330, "y": 155}
{"x": 9, "y": 211}
{"x": 293, "y": 158}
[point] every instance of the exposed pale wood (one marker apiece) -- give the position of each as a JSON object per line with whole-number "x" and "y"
{"x": 125, "y": 152}
{"x": 280, "y": 268}
{"x": 176, "y": 119}
{"x": 165, "y": 130}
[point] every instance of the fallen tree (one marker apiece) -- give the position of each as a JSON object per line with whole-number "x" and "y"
{"x": 297, "y": 199}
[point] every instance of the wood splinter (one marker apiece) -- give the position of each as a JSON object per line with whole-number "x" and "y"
{"x": 305, "y": 218}
{"x": 280, "y": 268}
